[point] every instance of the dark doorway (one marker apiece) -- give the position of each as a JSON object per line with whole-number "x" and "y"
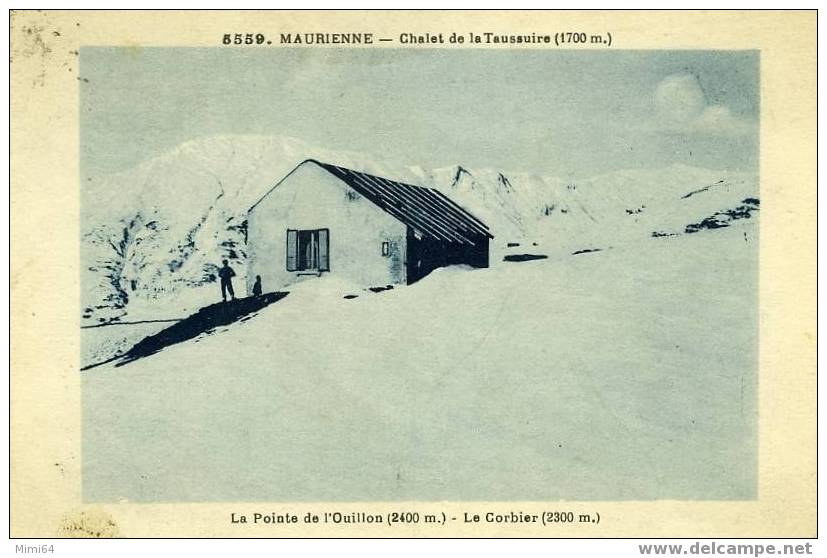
{"x": 426, "y": 254}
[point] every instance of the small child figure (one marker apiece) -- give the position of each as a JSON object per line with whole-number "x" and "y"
{"x": 257, "y": 286}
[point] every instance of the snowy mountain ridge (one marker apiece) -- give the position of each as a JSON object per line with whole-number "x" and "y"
{"x": 165, "y": 225}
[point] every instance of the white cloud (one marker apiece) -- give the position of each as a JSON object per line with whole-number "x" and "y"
{"x": 719, "y": 120}
{"x": 681, "y": 106}
{"x": 679, "y": 99}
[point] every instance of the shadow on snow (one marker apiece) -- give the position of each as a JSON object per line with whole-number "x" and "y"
{"x": 204, "y": 321}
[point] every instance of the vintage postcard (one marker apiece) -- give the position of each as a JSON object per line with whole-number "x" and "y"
{"x": 431, "y": 274}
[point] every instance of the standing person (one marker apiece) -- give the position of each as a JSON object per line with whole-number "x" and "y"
{"x": 226, "y": 274}
{"x": 257, "y": 286}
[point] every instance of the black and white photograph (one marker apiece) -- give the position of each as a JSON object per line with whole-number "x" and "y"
{"x": 336, "y": 275}
{"x": 413, "y": 274}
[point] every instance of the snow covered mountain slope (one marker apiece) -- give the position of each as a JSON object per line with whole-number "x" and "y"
{"x": 154, "y": 235}
{"x": 620, "y": 366}
{"x": 625, "y": 374}
{"x": 165, "y": 226}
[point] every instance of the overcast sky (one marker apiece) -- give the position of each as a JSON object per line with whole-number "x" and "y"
{"x": 565, "y": 113}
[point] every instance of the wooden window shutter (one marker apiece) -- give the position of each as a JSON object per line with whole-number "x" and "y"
{"x": 292, "y": 249}
{"x": 324, "y": 250}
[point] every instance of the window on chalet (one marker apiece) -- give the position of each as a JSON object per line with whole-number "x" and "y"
{"x": 308, "y": 250}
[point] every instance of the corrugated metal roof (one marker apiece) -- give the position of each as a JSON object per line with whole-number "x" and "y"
{"x": 426, "y": 210}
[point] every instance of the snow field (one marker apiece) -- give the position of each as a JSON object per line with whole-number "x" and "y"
{"x": 628, "y": 373}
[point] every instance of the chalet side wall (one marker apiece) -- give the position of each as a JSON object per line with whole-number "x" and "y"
{"x": 311, "y": 198}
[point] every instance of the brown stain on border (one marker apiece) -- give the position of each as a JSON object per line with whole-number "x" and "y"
{"x": 88, "y": 524}
{"x": 33, "y": 41}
